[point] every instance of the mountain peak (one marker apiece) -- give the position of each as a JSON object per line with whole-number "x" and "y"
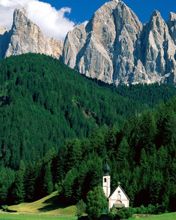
{"x": 2, "y": 30}
{"x": 117, "y": 48}
{"x": 20, "y": 18}
{"x": 114, "y": 46}
{"x": 156, "y": 23}
{"x": 110, "y": 37}
{"x": 156, "y": 13}
{"x": 172, "y": 16}
{"x": 26, "y": 36}
{"x": 18, "y": 11}
{"x": 156, "y": 17}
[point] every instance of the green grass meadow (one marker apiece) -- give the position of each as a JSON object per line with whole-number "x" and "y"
{"x": 9, "y": 216}
{"x": 33, "y": 217}
{"x": 168, "y": 216}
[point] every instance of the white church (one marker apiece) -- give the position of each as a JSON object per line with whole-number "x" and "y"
{"x": 118, "y": 198}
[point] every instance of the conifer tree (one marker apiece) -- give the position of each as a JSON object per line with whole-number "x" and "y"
{"x": 18, "y": 190}
{"x": 48, "y": 180}
{"x": 30, "y": 183}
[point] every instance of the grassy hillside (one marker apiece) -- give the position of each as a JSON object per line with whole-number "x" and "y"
{"x": 168, "y": 216}
{"x": 49, "y": 205}
{"x": 44, "y": 209}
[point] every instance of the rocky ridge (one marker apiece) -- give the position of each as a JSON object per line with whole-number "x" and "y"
{"x": 114, "y": 46}
{"x": 25, "y": 37}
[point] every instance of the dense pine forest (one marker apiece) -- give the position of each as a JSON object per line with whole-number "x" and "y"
{"x": 43, "y": 103}
{"x": 58, "y": 127}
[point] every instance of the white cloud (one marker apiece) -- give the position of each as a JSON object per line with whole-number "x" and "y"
{"x": 53, "y": 22}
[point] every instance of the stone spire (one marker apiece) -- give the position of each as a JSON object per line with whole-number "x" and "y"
{"x": 25, "y": 37}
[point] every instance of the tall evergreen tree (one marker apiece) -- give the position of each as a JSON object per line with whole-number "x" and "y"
{"x": 30, "y": 183}
{"x": 18, "y": 190}
{"x": 48, "y": 180}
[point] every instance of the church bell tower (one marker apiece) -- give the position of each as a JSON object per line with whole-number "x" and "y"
{"x": 106, "y": 180}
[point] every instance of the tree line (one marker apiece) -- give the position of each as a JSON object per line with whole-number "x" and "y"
{"x": 57, "y": 128}
{"x": 141, "y": 156}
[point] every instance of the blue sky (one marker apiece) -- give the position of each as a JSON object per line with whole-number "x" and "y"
{"x": 54, "y": 17}
{"x": 83, "y": 9}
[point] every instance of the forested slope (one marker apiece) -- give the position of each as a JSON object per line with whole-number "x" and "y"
{"x": 57, "y": 128}
{"x": 43, "y": 102}
{"x": 142, "y": 156}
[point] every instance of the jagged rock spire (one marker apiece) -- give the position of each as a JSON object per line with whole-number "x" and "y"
{"x": 25, "y": 37}
{"x": 113, "y": 46}
{"x": 116, "y": 48}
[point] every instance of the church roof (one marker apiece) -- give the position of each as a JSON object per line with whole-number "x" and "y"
{"x": 119, "y": 186}
{"x": 106, "y": 169}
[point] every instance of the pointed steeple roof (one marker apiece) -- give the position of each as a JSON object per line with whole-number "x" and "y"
{"x": 106, "y": 169}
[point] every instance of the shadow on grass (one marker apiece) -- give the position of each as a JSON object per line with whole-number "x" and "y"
{"x": 83, "y": 218}
{"x": 103, "y": 217}
{"x": 54, "y": 203}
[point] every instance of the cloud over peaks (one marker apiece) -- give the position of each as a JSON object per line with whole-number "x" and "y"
{"x": 52, "y": 22}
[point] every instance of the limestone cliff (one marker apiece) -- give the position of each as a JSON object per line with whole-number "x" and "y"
{"x": 25, "y": 37}
{"x": 158, "y": 50}
{"x": 107, "y": 45}
{"x": 2, "y": 30}
{"x": 116, "y": 48}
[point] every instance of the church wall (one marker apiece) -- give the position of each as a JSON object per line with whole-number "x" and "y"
{"x": 118, "y": 195}
{"x": 112, "y": 201}
{"x": 107, "y": 185}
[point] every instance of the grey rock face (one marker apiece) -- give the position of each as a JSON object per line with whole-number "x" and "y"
{"x": 107, "y": 45}
{"x": 4, "y": 38}
{"x": 116, "y": 48}
{"x": 172, "y": 26}
{"x": 74, "y": 42}
{"x": 25, "y": 37}
{"x": 2, "y": 30}
{"x": 158, "y": 49}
